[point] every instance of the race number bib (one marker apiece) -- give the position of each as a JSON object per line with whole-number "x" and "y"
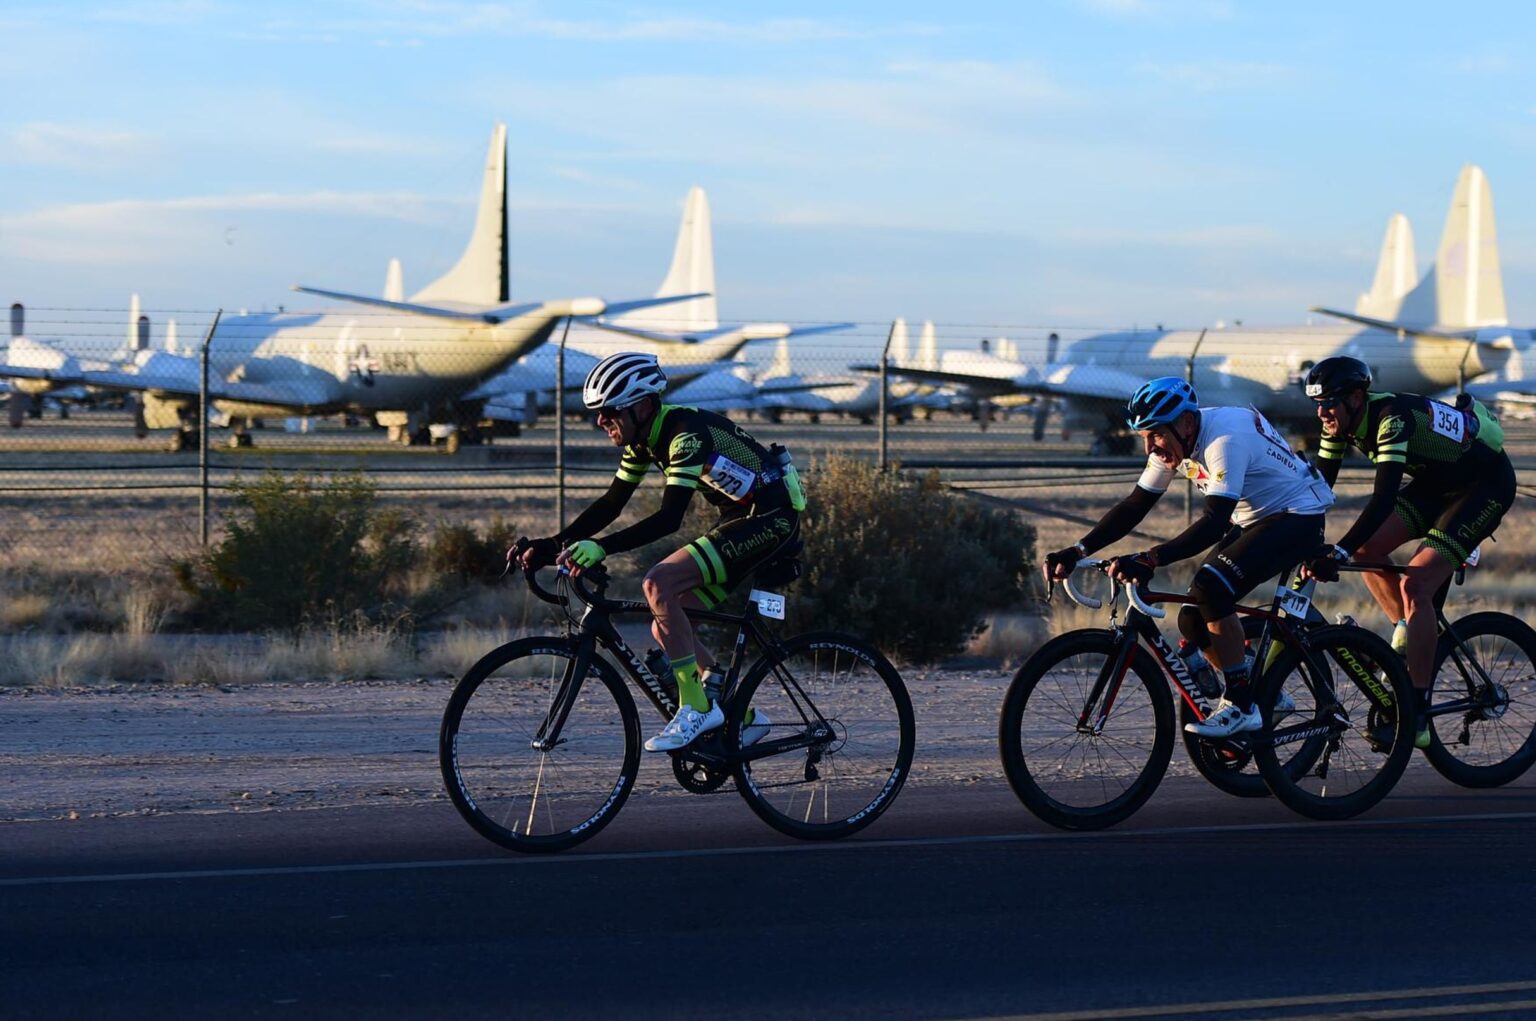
{"x": 1446, "y": 421}
{"x": 729, "y": 477}
{"x": 1292, "y": 602}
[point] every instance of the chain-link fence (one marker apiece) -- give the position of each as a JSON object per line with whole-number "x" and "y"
{"x": 109, "y": 460}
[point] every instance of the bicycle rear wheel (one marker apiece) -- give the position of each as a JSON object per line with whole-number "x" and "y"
{"x": 518, "y": 795}
{"x": 1066, "y": 771}
{"x": 832, "y": 735}
{"x": 1353, "y": 719}
{"x": 1491, "y": 740}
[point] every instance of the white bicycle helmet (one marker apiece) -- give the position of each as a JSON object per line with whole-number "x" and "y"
{"x": 621, "y": 380}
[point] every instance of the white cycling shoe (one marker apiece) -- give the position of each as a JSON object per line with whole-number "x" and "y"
{"x": 1227, "y": 720}
{"x": 685, "y": 728}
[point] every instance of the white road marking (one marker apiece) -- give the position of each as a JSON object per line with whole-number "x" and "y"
{"x": 568, "y": 859}
{"x": 1316, "y": 1000}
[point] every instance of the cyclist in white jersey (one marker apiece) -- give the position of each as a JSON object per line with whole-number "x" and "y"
{"x": 1264, "y": 508}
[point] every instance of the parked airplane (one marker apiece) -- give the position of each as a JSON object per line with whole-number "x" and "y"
{"x": 1263, "y": 367}
{"x": 406, "y": 364}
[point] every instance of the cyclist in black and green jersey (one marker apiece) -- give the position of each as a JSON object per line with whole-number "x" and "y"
{"x": 755, "y": 488}
{"x": 1462, "y": 483}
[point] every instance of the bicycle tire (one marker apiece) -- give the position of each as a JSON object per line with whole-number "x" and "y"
{"x": 837, "y": 786}
{"x": 1070, "y": 783}
{"x": 1495, "y": 743}
{"x": 1355, "y": 712}
{"x": 515, "y": 795}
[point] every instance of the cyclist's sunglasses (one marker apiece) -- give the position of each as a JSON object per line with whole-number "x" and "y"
{"x": 1328, "y": 403}
{"x": 610, "y": 412}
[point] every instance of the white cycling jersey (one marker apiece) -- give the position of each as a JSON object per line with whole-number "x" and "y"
{"x": 1239, "y": 455}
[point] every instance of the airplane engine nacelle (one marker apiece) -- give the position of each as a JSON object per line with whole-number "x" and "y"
{"x": 162, "y": 412}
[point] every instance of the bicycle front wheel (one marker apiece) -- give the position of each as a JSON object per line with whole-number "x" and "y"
{"x": 1338, "y": 723}
{"x": 1065, "y": 767}
{"x": 829, "y": 739}
{"x": 1489, "y": 738}
{"x": 528, "y": 793}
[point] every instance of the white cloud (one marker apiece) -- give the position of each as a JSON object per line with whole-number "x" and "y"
{"x": 77, "y": 147}
{"x": 1220, "y": 75}
{"x": 1485, "y": 62}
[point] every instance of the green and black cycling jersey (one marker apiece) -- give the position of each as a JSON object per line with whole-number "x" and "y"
{"x": 696, "y": 450}
{"x": 1447, "y": 449}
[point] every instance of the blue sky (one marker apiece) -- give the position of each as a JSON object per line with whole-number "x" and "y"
{"x": 991, "y": 166}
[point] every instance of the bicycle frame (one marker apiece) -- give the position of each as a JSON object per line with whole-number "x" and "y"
{"x": 595, "y": 628}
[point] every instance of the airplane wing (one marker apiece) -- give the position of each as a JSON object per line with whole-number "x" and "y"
{"x": 315, "y": 393}
{"x": 1392, "y": 327}
{"x": 748, "y": 332}
{"x": 580, "y": 307}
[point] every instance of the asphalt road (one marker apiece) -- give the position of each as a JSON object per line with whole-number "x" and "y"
{"x": 957, "y": 904}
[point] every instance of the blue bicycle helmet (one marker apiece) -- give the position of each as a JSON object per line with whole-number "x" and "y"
{"x": 1160, "y": 402}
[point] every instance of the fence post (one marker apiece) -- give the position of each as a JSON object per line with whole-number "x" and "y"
{"x": 885, "y": 359}
{"x": 202, "y": 431}
{"x": 559, "y": 425}
{"x": 1189, "y": 377}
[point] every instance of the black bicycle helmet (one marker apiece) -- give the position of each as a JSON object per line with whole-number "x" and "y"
{"x": 1332, "y": 378}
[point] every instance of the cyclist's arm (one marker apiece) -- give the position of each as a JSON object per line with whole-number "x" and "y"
{"x": 1389, "y": 476}
{"x": 601, "y": 513}
{"x": 1118, "y": 521}
{"x": 1202, "y": 533}
{"x": 667, "y": 519}
{"x": 1330, "y": 458}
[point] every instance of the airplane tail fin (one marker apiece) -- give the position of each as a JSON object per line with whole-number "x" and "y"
{"x": 394, "y": 282}
{"x": 928, "y": 348}
{"x": 18, "y": 320}
{"x": 480, "y": 277}
{"x": 692, "y": 272}
{"x": 1465, "y": 290}
{"x": 900, "y": 343}
{"x": 1396, "y": 273}
{"x": 780, "y": 366}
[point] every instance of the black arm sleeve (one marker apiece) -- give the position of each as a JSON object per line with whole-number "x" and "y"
{"x": 1210, "y": 526}
{"x": 667, "y": 519}
{"x": 1117, "y": 523}
{"x": 601, "y": 513}
{"x": 1389, "y": 476}
{"x": 1328, "y": 468}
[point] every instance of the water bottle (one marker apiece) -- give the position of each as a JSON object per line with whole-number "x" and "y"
{"x": 791, "y": 477}
{"x": 660, "y": 666}
{"x": 1199, "y": 669}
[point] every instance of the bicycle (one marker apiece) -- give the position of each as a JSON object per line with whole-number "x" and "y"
{"x": 1086, "y": 729}
{"x": 1482, "y": 712}
{"x": 540, "y": 743}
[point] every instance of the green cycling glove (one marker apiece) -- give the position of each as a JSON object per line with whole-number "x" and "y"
{"x": 587, "y": 553}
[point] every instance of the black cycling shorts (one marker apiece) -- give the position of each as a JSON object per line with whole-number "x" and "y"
{"x": 1246, "y": 556}
{"x": 737, "y": 546}
{"x": 1452, "y": 524}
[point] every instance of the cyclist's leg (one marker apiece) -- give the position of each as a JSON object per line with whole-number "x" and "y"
{"x": 1409, "y": 520}
{"x": 669, "y": 589}
{"x": 1244, "y": 558}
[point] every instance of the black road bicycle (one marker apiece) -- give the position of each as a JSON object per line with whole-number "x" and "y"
{"x": 540, "y": 744}
{"x": 1482, "y": 711}
{"x": 1087, "y": 726}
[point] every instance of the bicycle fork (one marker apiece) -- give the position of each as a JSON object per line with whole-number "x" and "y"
{"x": 548, "y": 736}
{"x": 1106, "y": 687}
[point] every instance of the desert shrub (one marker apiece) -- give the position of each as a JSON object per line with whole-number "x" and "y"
{"x": 905, "y": 562}
{"x": 301, "y": 550}
{"x": 463, "y": 553}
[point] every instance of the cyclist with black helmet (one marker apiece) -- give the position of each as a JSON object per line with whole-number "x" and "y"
{"x": 755, "y": 488}
{"x": 1263, "y": 502}
{"x": 1462, "y": 483}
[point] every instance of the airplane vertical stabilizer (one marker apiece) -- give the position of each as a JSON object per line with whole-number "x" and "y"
{"x": 692, "y": 272}
{"x": 18, "y": 319}
{"x": 480, "y": 277}
{"x": 1466, "y": 287}
{"x": 131, "y": 342}
{"x": 394, "y": 282}
{"x": 170, "y": 336}
{"x": 901, "y": 344}
{"x": 928, "y": 348}
{"x": 780, "y": 366}
{"x": 1396, "y": 273}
